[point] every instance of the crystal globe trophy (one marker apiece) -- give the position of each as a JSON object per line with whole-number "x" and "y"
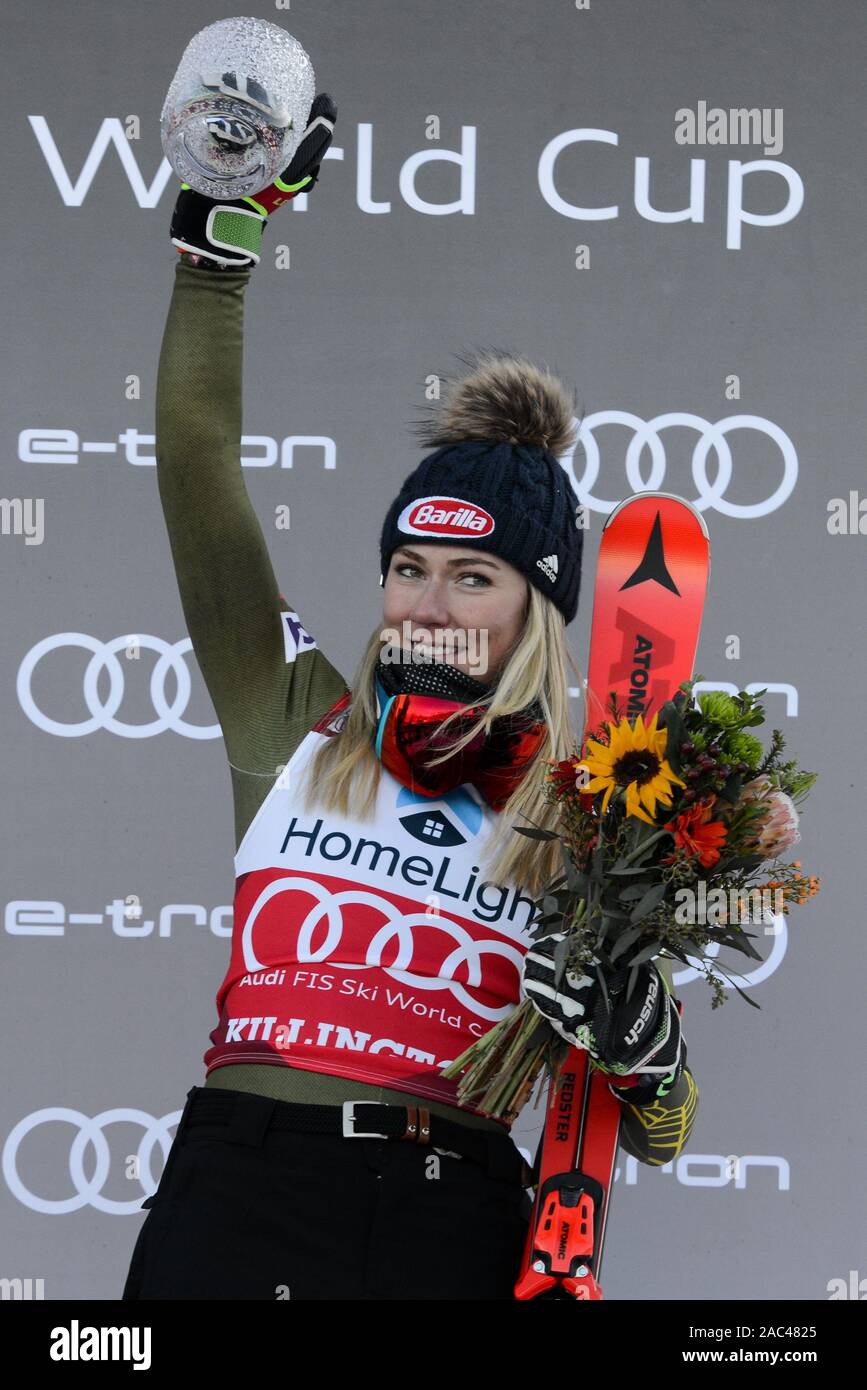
{"x": 237, "y": 107}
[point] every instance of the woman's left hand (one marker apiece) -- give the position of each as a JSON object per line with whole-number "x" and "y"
{"x": 639, "y": 1042}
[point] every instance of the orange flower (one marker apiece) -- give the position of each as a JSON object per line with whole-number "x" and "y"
{"x": 696, "y": 833}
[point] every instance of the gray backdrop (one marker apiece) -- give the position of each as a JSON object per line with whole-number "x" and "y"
{"x": 106, "y": 1015}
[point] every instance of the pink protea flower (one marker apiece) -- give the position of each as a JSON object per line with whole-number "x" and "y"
{"x": 778, "y": 829}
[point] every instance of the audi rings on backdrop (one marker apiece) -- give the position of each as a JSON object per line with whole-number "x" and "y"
{"x": 102, "y": 715}
{"x": 711, "y": 436}
{"x": 89, "y": 1131}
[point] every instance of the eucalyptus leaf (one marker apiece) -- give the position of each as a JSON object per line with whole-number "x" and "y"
{"x": 687, "y": 948}
{"x": 740, "y": 991}
{"x": 603, "y": 989}
{"x": 573, "y": 875}
{"x": 632, "y": 893}
{"x": 624, "y": 941}
{"x": 549, "y": 920}
{"x": 579, "y": 886}
{"x": 647, "y": 953}
{"x": 609, "y": 927}
{"x": 598, "y": 862}
{"x": 744, "y": 945}
{"x": 651, "y": 899}
{"x": 731, "y": 788}
{"x": 736, "y": 986}
{"x": 682, "y": 956}
{"x": 561, "y": 956}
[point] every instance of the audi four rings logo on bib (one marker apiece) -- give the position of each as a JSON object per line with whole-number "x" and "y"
{"x": 298, "y": 917}
{"x": 445, "y": 516}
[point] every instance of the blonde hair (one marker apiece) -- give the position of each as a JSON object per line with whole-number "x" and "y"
{"x": 344, "y": 773}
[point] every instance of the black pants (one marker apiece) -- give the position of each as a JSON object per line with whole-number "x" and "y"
{"x": 252, "y": 1212}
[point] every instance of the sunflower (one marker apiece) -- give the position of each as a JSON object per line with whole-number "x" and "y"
{"x": 634, "y": 759}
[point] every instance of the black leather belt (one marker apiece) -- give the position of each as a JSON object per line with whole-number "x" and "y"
{"x": 247, "y": 1116}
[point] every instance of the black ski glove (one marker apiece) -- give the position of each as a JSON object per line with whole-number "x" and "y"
{"x": 639, "y": 1042}
{"x": 228, "y": 234}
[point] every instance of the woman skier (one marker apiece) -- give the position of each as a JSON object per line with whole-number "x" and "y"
{"x": 382, "y": 893}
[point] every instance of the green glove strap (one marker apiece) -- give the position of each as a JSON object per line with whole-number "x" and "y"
{"x": 227, "y": 227}
{"x": 231, "y": 229}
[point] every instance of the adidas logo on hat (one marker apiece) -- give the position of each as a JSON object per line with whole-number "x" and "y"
{"x": 548, "y": 565}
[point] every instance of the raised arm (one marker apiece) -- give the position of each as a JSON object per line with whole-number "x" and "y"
{"x": 267, "y": 679}
{"x": 227, "y": 586}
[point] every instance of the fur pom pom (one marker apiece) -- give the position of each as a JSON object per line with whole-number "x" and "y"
{"x": 503, "y": 397}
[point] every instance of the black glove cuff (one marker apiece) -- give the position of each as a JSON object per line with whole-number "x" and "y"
{"x": 647, "y": 1090}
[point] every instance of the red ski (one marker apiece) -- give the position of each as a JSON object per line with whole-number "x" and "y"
{"x": 651, "y": 580}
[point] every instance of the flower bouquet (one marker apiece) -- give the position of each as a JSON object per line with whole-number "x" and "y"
{"x": 671, "y": 835}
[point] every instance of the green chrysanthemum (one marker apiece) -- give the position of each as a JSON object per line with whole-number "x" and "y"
{"x": 719, "y": 707}
{"x": 741, "y": 747}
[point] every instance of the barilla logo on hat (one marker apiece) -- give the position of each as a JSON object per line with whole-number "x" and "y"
{"x": 445, "y": 516}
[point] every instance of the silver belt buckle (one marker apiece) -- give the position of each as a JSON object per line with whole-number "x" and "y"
{"x": 349, "y": 1130}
